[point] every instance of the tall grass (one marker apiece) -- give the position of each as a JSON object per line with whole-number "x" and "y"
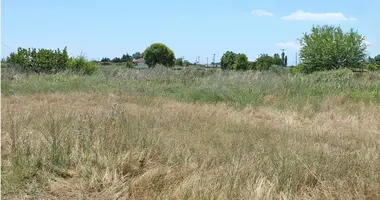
{"x": 239, "y": 89}
{"x": 292, "y": 137}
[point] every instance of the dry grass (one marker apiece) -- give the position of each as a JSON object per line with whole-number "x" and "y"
{"x": 96, "y": 146}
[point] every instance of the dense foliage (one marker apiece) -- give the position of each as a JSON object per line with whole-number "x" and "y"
{"x": 179, "y": 62}
{"x": 325, "y": 48}
{"x": 81, "y": 65}
{"x": 41, "y": 60}
{"x": 241, "y": 62}
{"x": 159, "y": 53}
{"x": 329, "y": 48}
{"x": 264, "y": 62}
{"x": 228, "y": 59}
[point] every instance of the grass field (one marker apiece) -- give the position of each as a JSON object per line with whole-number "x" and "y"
{"x": 190, "y": 134}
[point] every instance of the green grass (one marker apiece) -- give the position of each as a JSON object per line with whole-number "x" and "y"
{"x": 239, "y": 89}
{"x": 280, "y": 135}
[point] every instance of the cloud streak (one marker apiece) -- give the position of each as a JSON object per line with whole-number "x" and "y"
{"x": 261, "y": 13}
{"x": 309, "y": 16}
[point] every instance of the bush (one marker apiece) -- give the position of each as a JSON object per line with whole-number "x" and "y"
{"x": 329, "y": 48}
{"x": 372, "y": 66}
{"x": 130, "y": 64}
{"x": 264, "y": 62}
{"x": 179, "y": 62}
{"x": 41, "y": 60}
{"x": 241, "y": 62}
{"x": 296, "y": 69}
{"x": 252, "y": 66}
{"x": 228, "y": 60}
{"x": 186, "y": 63}
{"x": 81, "y": 65}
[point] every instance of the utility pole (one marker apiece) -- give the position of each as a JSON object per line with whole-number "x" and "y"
{"x": 206, "y": 61}
{"x": 213, "y": 59}
{"x": 296, "y": 58}
{"x": 282, "y": 57}
{"x": 199, "y": 60}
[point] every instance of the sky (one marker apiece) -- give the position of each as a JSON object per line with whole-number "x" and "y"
{"x": 193, "y": 28}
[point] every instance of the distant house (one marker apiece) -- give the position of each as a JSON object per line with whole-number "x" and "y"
{"x": 140, "y": 62}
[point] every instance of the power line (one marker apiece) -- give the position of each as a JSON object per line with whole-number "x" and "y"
{"x": 7, "y": 46}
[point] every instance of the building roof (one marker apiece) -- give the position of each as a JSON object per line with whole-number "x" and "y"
{"x": 139, "y": 60}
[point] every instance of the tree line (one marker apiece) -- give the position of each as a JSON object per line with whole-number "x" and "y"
{"x": 324, "y": 48}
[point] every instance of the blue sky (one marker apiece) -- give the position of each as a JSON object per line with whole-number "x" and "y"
{"x": 190, "y": 28}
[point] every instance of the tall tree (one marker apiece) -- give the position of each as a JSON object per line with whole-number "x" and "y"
{"x": 276, "y": 60}
{"x": 328, "y": 47}
{"x": 159, "y": 53}
{"x": 283, "y": 58}
{"x": 286, "y": 61}
{"x": 377, "y": 59}
{"x": 126, "y": 58}
{"x": 241, "y": 62}
{"x": 227, "y": 60}
{"x": 137, "y": 55}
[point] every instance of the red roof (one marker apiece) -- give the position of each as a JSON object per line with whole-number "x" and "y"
{"x": 140, "y": 60}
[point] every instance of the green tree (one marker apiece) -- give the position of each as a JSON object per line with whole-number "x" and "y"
{"x": 41, "y": 60}
{"x": 159, "y": 53}
{"x": 179, "y": 62}
{"x": 377, "y": 59}
{"x": 116, "y": 60}
{"x": 105, "y": 60}
{"x": 252, "y": 66}
{"x": 264, "y": 62}
{"x": 126, "y": 58}
{"x": 286, "y": 61}
{"x": 328, "y": 47}
{"x": 241, "y": 62}
{"x": 228, "y": 59}
{"x": 137, "y": 55}
{"x": 276, "y": 60}
{"x": 186, "y": 63}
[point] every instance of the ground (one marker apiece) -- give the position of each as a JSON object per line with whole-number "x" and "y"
{"x": 91, "y": 144}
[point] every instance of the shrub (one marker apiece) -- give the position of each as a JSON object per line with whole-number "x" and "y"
{"x": 186, "y": 63}
{"x": 296, "y": 69}
{"x": 372, "y": 66}
{"x": 41, "y": 60}
{"x": 179, "y": 62}
{"x": 241, "y": 62}
{"x": 130, "y": 64}
{"x": 329, "y": 48}
{"x": 81, "y": 65}
{"x": 252, "y": 66}
{"x": 228, "y": 60}
{"x": 264, "y": 62}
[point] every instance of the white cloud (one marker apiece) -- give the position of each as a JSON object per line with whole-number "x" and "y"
{"x": 302, "y": 15}
{"x": 262, "y": 13}
{"x": 290, "y": 45}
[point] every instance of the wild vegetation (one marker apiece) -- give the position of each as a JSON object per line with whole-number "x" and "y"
{"x": 251, "y": 130}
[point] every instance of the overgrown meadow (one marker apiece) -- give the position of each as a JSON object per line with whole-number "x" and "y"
{"x": 190, "y": 133}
